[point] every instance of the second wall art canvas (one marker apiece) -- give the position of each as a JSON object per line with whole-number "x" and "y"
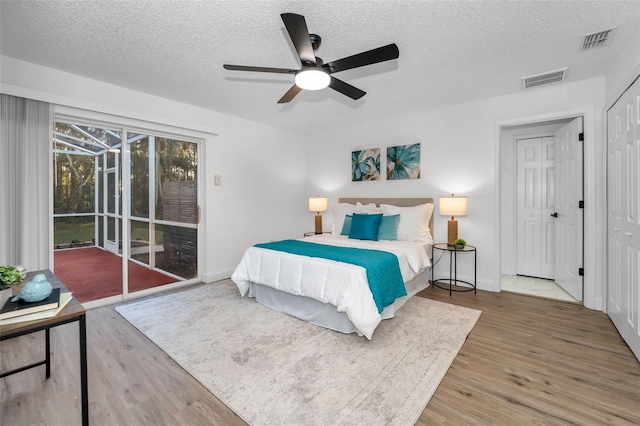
{"x": 403, "y": 162}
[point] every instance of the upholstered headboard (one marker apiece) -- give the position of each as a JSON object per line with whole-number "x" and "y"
{"x": 400, "y": 202}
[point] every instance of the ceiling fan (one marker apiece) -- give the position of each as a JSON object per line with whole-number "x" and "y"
{"x": 314, "y": 74}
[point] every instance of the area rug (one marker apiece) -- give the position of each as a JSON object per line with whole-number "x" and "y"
{"x": 273, "y": 369}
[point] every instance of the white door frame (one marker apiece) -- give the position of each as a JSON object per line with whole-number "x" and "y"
{"x": 594, "y": 198}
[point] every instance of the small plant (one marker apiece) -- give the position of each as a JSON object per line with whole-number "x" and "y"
{"x": 460, "y": 242}
{"x": 9, "y": 275}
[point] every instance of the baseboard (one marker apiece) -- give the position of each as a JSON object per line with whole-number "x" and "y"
{"x": 211, "y": 276}
{"x": 507, "y": 270}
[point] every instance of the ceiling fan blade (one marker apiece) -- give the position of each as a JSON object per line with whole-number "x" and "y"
{"x": 258, "y": 69}
{"x": 290, "y": 94}
{"x": 297, "y": 28}
{"x": 346, "y": 89}
{"x": 373, "y": 56}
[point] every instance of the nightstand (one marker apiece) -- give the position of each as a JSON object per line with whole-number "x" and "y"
{"x": 453, "y": 268}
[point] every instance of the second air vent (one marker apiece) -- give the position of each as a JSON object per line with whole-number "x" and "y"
{"x": 599, "y": 39}
{"x": 542, "y": 78}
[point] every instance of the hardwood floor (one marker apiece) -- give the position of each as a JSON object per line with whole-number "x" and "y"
{"x": 527, "y": 361}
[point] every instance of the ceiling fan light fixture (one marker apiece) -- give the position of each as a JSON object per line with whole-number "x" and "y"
{"x": 312, "y": 79}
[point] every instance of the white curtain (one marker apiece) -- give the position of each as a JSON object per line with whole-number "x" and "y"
{"x": 25, "y": 182}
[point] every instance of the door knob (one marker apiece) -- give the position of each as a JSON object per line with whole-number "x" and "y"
{"x": 629, "y": 234}
{"x": 554, "y": 214}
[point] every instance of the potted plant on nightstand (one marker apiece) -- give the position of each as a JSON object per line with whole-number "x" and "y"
{"x": 460, "y": 243}
{"x": 9, "y": 276}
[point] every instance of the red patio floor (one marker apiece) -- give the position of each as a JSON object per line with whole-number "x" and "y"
{"x": 91, "y": 274}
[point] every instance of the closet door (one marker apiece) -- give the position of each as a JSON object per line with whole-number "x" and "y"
{"x": 623, "y": 216}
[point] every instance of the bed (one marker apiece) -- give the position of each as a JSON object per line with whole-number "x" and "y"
{"x": 335, "y": 294}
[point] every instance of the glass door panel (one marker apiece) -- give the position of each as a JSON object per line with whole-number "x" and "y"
{"x": 85, "y": 188}
{"x": 179, "y": 254}
{"x": 139, "y": 243}
{"x": 139, "y": 160}
{"x": 164, "y": 210}
{"x": 176, "y": 180}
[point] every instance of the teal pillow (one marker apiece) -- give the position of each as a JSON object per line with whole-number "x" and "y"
{"x": 365, "y": 226}
{"x": 389, "y": 227}
{"x": 346, "y": 226}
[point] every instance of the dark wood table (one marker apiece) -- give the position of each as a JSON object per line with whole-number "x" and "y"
{"x": 72, "y": 312}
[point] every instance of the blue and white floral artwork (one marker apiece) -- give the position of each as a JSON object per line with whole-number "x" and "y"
{"x": 403, "y": 162}
{"x": 365, "y": 165}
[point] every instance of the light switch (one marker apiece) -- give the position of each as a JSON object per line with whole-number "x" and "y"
{"x": 217, "y": 180}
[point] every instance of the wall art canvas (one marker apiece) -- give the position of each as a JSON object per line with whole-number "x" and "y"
{"x": 365, "y": 165}
{"x": 403, "y": 162}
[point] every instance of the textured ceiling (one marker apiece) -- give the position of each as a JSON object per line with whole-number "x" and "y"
{"x": 450, "y": 51}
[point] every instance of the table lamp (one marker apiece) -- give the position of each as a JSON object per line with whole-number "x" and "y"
{"x": 453, "y": 206}
{"x": 318, "y": 204}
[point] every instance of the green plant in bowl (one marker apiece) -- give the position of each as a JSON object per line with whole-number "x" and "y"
{"x": 9, "y": 275}
{"x": 460, "y": 243}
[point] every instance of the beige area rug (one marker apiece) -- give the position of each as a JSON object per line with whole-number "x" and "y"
{"x": 274, "y": 369}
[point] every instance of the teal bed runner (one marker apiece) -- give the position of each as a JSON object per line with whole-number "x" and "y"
{"x": 383, "y": 270}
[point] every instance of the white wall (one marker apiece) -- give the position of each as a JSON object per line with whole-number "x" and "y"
{"x": 262, "y": 167}
{"x": 459, "y": 154}
{"x": 624, "y": 69}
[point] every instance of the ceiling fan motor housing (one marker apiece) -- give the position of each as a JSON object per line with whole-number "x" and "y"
{"x": 316, "y": 40}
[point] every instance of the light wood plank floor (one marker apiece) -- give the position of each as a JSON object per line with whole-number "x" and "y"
{"x": 527, "y": 361}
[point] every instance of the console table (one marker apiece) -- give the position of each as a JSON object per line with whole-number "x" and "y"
{"x": 72, "y": 312}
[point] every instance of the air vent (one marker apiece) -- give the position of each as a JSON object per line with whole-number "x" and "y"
{"x": 599, "y": 39}
{"x": 542, "y": 78}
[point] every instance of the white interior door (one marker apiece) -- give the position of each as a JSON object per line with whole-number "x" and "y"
{"x": 569, "y": 220}
{"x": 623, "y": 218}
{"x": 535, "y": 204}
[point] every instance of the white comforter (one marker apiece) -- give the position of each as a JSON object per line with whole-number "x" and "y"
{"x": 342, "y": 285}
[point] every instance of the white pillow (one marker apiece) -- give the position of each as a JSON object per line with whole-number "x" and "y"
{"x": 370, "y": 208}
{"x": 340, "y": 210}
{"x": 414, "y": 221}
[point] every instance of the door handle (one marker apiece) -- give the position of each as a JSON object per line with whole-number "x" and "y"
{"x": 616, "y": 229}
{"x": 629, "y": 234}
{"x": 554, "y": 214}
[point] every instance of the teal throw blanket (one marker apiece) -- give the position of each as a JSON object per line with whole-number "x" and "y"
{"x": 383, "y": 270}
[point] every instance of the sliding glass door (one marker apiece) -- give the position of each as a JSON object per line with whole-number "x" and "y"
{"x": 144, "y": 208}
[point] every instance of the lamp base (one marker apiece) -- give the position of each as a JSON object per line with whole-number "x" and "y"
{"x": 452, "y": 232}
{"x": 318, "y": 223}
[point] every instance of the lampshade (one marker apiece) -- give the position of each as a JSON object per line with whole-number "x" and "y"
{"x": 318, "y": 204}
{"x": 453, "y": 206}
{"x": 312, "y": 79}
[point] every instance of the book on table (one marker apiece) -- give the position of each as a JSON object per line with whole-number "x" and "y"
{"x": 20, "y": 307}
{"x": 65, "y": 298}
